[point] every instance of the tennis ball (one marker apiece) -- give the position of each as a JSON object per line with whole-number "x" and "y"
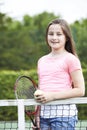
{"x": 38, "y": 92}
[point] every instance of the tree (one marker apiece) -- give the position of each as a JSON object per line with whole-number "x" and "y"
{"x": 79, "y": 29}
{"x": 22, "y": 43}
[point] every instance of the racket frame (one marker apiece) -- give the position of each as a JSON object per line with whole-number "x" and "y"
{"x": 28, "y": 113}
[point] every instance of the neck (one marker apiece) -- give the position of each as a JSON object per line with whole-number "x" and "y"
{"x": 56, "y": 52}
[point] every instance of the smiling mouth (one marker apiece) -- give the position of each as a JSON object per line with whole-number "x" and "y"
{"x": 55, "y": 42}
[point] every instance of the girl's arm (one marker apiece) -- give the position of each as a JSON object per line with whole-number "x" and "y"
{"x": 78, "y": 87}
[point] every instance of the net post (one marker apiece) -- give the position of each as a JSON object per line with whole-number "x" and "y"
{"x": 21, "y": 115}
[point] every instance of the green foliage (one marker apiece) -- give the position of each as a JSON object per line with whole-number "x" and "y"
{"x": 22, "y": 43}
{"x": 85, "y": 78}
{"x": 7, "y": 81}
{"x": 82, "y": 108}
{"x": 79, "y": 29}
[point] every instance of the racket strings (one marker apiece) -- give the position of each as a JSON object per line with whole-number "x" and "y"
{"x": 25, "y": 89}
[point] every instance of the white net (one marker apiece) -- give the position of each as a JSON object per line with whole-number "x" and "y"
{"x": 17, "y": 120}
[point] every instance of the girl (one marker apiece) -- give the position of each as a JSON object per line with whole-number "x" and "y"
{"x": 60, "y": 77}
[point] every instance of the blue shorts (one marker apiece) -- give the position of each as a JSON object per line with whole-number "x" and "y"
{"x": 58, "y": 123}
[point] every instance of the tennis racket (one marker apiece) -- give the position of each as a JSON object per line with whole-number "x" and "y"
{"x": 24, "y": 89}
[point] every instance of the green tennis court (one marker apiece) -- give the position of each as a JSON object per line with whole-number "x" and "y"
{"x": 13, "y": 125}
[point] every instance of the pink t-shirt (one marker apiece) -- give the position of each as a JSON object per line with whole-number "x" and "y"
{"x": 54, "y": 73}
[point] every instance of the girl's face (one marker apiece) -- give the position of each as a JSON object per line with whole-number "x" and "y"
{"x": 56, "y": 38}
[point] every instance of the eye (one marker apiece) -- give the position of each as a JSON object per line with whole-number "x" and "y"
{"x": 50, "y": 33}
{"x": 59, "y": 34}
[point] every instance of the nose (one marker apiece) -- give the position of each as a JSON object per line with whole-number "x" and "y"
{"x": 55, "y": 36}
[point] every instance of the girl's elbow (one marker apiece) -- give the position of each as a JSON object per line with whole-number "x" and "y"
{"x": 82, "y": 93}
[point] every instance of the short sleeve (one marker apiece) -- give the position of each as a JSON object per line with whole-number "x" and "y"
{"x": 73, "y": 63}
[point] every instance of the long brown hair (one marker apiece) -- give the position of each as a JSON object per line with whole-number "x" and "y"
{"x": 70, "y": 45}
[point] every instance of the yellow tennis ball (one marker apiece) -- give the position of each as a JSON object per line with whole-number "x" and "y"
{"x": 38, "y": 92}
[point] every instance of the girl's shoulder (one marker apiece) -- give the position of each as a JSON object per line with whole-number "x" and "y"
{"x": 73, "y": 61}
{"x": 43, "y": 58}
{"x": 71, "y": 56}
{"x": 70, "y": 60}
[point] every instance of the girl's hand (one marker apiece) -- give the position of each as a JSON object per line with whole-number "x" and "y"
{"x": 43, "y": 97}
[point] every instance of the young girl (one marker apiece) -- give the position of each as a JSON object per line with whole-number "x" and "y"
{"x": 60, "y": 77}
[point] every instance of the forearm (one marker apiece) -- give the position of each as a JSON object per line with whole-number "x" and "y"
{"x": 51, "y": 96}
{"x": 75, "y": 92}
